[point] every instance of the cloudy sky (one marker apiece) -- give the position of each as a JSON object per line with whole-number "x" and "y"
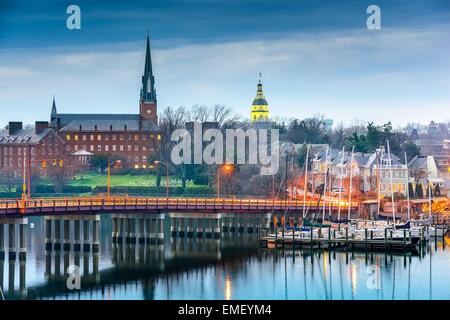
{"x": 315, "y": 57}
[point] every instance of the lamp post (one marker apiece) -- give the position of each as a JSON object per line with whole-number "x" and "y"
{"x": 109, "y": 172}
{"x": 167, "y": 182}
{"x": 226, "y": 168}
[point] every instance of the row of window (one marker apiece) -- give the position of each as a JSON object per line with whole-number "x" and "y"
{"x": 401, "y": 187}
{"x": 10, "y": 162}
{"x": 10, "y": 151}
{"x": 395, "y": 174}
{"x": 106, "y": 148}
{"x": 99, "y": 137}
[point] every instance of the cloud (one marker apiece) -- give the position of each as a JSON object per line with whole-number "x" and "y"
{"x": 339, "y": 74}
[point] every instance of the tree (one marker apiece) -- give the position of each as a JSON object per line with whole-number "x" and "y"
{"x": 60, "y": 176}
{"x": 411, "y": 149}
{"x": 310, "y": 130}
{"x": 9, "y": 178}
{"x": 100, "y": 160}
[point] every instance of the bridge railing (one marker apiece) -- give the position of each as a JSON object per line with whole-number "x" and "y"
{"x": 170, "y": 203}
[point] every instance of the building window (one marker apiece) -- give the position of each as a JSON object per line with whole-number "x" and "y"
{"x": 92, "y": 137}
{"x": 76, "y": 147}
{"x": 129, "y": 147}
{"x": 68, "y": 137}
{"x": 106, "y": 137}
{"x": 10, "y": 162}
{"x": 159, "y": 137}
{"x": 136, "y": 137}
{"x": 99, "y": 148}
{"x": 49, "y": 152}
{"x": 19, "y": 162}
{"x": 129, "y": 137}
{"x": 32, "y": 151}
{"x": 121, "y": 147}
{"x": 84, "y": 137}
{"x": 144, "y": 159}
{"x": 19, "y": 151}
{"x": 114, "y": 137}
{"x": 144, "y": 137}
{"x": 114, "y": 147}
{"x": 136, "y": 159}
{"x": 76, "y": 137}
{"x": 144, "y": 148}
{"x": 5, "y": 162}
{"x": 136, "y": 166}
{"x": 92, "y": 147}
{"x": 32, "y": 162}
{"x": 10, "y": 151}
{"x": 99, "y": 137}
{"x": 136, "y": 147}
{"x": 106, "y": 148}
{"x": 121, "y": 137}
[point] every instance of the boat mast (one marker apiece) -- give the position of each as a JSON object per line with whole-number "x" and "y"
{"x": 340, "y": 185}
{"x": 350, "y": 188}
{"x": 407, "y": 185}
{"x": 429, "y": 194}
{"x": 378, "y": 182}
{"x": 325, "y": 185}
{"x": 306, "y": 181}
{"x": 392, "y": 185}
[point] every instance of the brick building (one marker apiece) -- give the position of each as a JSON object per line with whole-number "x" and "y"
{"x": 30, "y": 145}
{"x": 129, "y": 137}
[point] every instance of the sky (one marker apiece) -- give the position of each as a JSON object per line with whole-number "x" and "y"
{"x": 315, "y": 56}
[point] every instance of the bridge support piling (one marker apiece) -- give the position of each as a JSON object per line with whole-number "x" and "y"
{"x": 181, "y": 228}
{"x": 48, "y": 264}
{"x": 86, "y": 241}
{"x": 199, "y": 228}
{"x": 224, "y": 224}
{"x": 66, "y": 243}
{"x": 114, "y": 230}
{"x": 233, "y": 223}
{"x": 12, "y": 241}
{"x": 141, "y": 230}
{"x": 161, "y": 229}
{"x": 250, "y": 222}
{"x": 208, "y": 229}
{"x": 190, "y": 228}
{"x": 77, "y": 235}
{"x": 22, "y": 242}
{"x": 241, "y": 228}
{"x": 48, "y": 234}
{"x": 148, "y": 222}
{"x": 173, "y": 226}
{"x": 57, "y": 238}
{"x": 95, "y": 231}
{"x": 119, "y": 237}
{"x": 2, "y": 241}
{"x": 217, "y": 228}
{"x": 153, "y": 238}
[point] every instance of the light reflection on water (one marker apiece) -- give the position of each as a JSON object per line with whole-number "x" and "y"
{"x": 232, "y": 268}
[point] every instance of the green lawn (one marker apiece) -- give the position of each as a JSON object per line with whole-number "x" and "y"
{"x": 96, "y": 179}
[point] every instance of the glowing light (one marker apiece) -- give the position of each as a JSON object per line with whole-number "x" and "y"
{"x": 354, "y": 278}
{"x": 228, "y": 289}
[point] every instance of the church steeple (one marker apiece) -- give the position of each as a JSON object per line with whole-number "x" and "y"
{"x": 148, "y": 92}
{"x": 147, "y": 102}
{"x": 54, "y": 113}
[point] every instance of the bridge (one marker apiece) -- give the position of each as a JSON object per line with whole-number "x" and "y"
{"x": 99, "y": 205}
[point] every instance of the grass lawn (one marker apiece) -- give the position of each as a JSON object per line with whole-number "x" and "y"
{"x": 96, "y": 179}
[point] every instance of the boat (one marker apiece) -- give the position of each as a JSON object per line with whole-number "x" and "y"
{"x": 316, "y": 225}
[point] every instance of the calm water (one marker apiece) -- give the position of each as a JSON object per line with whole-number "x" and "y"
{"x": 233, "y": 268}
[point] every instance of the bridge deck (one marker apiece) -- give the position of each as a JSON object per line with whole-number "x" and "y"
{"x": 98, "y": 205}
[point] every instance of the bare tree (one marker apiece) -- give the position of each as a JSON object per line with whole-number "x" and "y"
{"x": 9, "y": 178}
{"x": 60, "y": 176}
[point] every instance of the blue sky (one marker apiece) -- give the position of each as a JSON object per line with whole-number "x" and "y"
{"x": 316, "y": 56}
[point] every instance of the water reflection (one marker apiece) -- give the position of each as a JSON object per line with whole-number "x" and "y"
{"x": 231, "y": 267}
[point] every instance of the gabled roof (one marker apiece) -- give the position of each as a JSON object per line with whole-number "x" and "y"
{"x": 24, "y": 137}
{"x": 66, "y": 118}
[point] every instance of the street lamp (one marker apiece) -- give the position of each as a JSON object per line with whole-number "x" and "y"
{"x": 167, "y": 183}
{"x": 226, "y": 168}
{"x": 109, "y": 172}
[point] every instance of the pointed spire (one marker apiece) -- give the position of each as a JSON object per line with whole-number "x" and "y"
{"x": 148, "y": 93}
{"x": 54, "y": 105}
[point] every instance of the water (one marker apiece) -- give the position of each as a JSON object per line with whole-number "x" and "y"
{"x": 233, "y": 268}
